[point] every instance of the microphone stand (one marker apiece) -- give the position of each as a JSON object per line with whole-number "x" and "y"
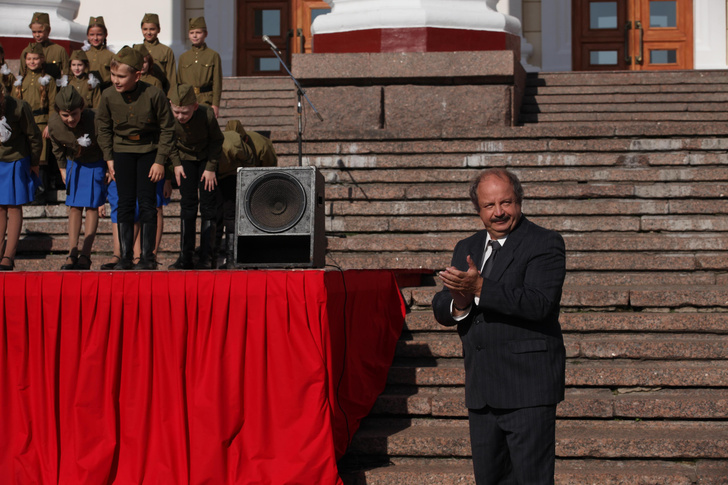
{"x": 300, "y": 93}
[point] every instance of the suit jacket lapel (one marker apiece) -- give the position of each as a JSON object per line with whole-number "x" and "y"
{"x": 478, "y": 248}
{"x": 508, "y": 251}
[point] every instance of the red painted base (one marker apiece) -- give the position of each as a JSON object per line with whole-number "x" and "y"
{"x": 14, "y": 45}
{"x": 419, "y": 39}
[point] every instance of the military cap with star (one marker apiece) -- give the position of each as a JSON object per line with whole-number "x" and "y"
{"x": 40, "y": 18}
{"x": 182, "y": 95}
{"x": 130, "y": 57}
{"x": 68, "y": 99}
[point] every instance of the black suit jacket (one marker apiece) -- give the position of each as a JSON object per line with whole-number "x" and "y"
{"x": 512, "y": 344}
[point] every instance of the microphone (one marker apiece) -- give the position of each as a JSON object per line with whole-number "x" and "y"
{"x": 267, "y": 40}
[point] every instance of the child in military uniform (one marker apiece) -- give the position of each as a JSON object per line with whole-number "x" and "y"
{"x": 152, "y": 73}
{"x": 56, "y": 57}
{"x": 240, "y": 149}
{"x": 195, "y": 158}
{"x": 135, "y": 130}
{"x": 7, "y": 78}
{"x": 38, "y": 89}
{"x": 73, "y": 135}
{"x": 84, "y": 82}
{"x": 99, "y": 57}
{"x": 201, "y": 68}
{"x": 20, "y": 147}
{"x": 163, "y": 56}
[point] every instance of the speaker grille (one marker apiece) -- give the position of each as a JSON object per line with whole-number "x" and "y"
{"x": 275, "y": 202}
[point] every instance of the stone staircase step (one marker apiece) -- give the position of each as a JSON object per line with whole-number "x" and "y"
{"x": 438, "y": 372}
{"x": 422, "y": 320}
{"x": 534, "y": 175}
{"x": 661, "y": 346}
{"x": 580, "y": 403}
{"x": 626, "y": 78}
{"x": 633, "y": 439}
{"x": 610, "y": 296}
{"x": 446, "y": 471}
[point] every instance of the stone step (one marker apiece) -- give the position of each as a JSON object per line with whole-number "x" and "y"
{"x": 626, "y": 261}
{"x": 580, "y": 403}
{"x": 687, "y": 88}
{"x": 432, "y": 371}
{"x": 575, "y": 241}
{"x": 422, "y": 320}
{"x": 687, "y": 440}
{"x": 538, "y": 207}
{"x": 711, "y": 296}
{"x": 643, "y": 116}
{"x": 530, "y": 139}
{"x": 662, "y": 346}
{"x": 622, "y": 78}
{"x": 607, "y": 100}
{"x": 539, "y": 191}
{"x": 452, "y": 471}
{"x": 575, "y": 174}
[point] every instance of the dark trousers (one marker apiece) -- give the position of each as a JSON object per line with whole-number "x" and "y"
{"x": 132, "y": 183}
{"x": 189, "y": 189}
{"x": 227, "y": 188}
{"x": 513, "y": 446}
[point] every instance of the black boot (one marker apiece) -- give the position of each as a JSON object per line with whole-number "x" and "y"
{"x": 230, "y": 247}
{"x": 149, "y": 240}
{"x": 207, "y": 244}
{"x": 187, "y": 245}
{"x": 126, "y": 243}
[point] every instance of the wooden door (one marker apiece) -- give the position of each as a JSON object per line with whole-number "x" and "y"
{"x": 257, "y": 18}
{"x": 286, "y": 22}
{"x": 632, "y": 34}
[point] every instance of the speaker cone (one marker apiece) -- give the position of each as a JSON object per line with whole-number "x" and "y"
{"x": 275, "y": 202}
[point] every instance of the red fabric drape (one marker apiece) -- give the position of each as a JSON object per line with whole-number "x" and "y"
{"x": 230, "y": 377}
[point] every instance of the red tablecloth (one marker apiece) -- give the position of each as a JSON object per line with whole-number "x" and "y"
{"x": 229, "y": 377}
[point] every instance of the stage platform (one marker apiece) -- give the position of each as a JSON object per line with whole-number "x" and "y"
{"x": 190, "y": 377}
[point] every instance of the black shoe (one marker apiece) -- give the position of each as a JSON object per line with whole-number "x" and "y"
{"x": 7, "y": 267}
{"x": 84, "y": 262}
{"x": 71, "y": 262}
{"x": 111, "y": 264}
{"x": 187, "y": 245}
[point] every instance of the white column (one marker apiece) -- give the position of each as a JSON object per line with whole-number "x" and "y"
{"x": 709, "y": 31}
{"x": 514, "y": 8}
{"x": 16, "y": 17}
{"x": 351, "y": 15}
{"x": 221, "y": 18}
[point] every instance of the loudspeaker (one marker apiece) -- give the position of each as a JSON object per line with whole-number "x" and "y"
{"x": 279, "y": 217}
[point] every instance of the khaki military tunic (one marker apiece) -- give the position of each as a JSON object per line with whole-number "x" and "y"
{"x": 90, "y": 95}
{"x": 64, "y": 139}
{"x": 99, "y": 60}
{"x": 156, "y": 77}
{"x": 41, "y": 100}
{"x": 198, "y": 139}
{"x": 201, "y": 68}
{"x": 25, "y": 138}
{"x": 265, "y": 154}
{"x": 235, "y": 153}
{"x": 164, "y": 58}
{"x": 56, "y": 64}
{"x": 137, "y": 121}
{"x": 7, "y": 80}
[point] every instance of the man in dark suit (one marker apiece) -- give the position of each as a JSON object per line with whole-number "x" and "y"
{"x": 503, "y": 292}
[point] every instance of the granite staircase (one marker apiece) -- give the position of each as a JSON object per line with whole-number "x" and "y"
{"x": 642, "y": 204}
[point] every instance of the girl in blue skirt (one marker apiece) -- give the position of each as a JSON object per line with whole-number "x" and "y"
{"x": 83, "y": 169}
{"x": 20, "y": 148}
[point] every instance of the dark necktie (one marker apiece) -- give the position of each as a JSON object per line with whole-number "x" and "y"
{"x": 495, "y": 245}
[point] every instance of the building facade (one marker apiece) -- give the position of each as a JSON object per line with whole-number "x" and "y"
{"x": 556, "y": 35}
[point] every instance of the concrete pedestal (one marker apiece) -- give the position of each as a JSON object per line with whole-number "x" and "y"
{"x": 429, "y": 94}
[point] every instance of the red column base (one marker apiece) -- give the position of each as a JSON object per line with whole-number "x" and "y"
{"x": 418, "y": 39}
